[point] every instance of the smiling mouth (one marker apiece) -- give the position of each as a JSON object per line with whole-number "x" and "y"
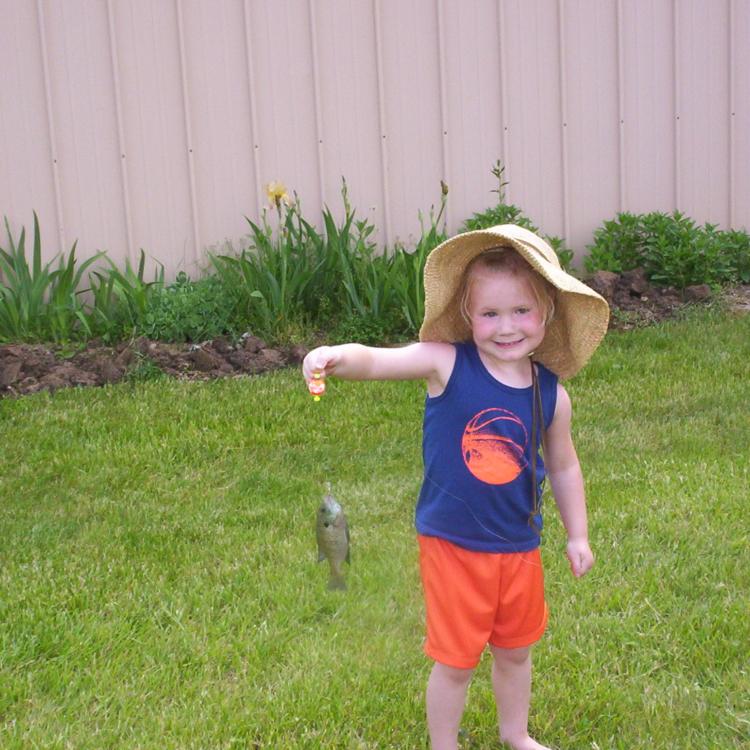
{"x": 504, "y": 344}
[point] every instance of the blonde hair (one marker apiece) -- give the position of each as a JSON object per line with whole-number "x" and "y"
{"x": 507, "y": 259}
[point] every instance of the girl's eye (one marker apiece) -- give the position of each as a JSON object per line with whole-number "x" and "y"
{"x": 522, "y": 310}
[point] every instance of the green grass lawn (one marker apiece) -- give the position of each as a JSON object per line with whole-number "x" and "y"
{"x": 158, "y": 583}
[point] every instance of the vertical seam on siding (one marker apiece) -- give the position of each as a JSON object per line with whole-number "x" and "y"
{"x": 253, "y": 114}
{"x": 676, "y": 93}
{"x": 732, "y": 132}
{"x": 443, "y": 105}
{"x": 504, "y": 97}
{"x": 316, "y": 101}
{"x": 51, "y": 125}
{"x": 621, "y": 111}
{"x": 120, "y": 130}
{"x": 563, "y": 116}
{"x": 188, "y": 131}
{"x": 382, "y": 121}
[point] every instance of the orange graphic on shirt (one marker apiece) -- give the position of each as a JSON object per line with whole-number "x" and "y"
{"x": 493, "y": 446}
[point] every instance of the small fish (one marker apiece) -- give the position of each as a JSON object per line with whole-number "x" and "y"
{"x": 332, "y": 532}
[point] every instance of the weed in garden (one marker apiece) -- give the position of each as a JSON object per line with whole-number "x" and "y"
{"x": 507, "y": 213}
{"x": 143, "y": 370}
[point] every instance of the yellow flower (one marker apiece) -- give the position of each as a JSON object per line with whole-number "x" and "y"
{"x": 276, "y": 192}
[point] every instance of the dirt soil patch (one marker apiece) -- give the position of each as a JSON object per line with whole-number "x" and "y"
{"x": 26, "y": 368}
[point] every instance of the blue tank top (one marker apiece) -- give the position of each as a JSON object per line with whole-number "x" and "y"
{"x": 476, "y": 446}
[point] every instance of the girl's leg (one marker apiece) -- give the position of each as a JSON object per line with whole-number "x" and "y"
{"x": 446, "y": 697}
{"x": 511, "y": 681}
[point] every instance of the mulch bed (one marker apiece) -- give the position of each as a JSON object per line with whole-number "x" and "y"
{"x": 26, "y": 368}
{"x": 29, "y": 368}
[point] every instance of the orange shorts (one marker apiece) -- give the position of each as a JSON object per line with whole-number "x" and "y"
{"x": 476, "y": 598}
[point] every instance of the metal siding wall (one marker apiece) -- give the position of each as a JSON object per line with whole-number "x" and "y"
{"x": 740, "y": 115}
{"x": 155, "y": 144}
{"x": 648, "y": 106}
{"x": 473, "y": 106}
{"x": 27, "y": 179}
{"x": 346, "y": 74}
{"x": 284, "y": 91}
{"x": 220, "y": 119}
{"x": 158, "y": 123}
{"x": 533, "y": 120}
{"x": 84, "y": 125}
{"x": 412, "y": 112}
{"x": 703, "y": 108}
{"x": 591, "y": 129}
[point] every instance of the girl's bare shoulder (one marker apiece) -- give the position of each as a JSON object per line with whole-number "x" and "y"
{"x": 442, "y": 358}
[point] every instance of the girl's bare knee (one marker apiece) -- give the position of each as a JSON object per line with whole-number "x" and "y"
{"x": 511, "y": 656}
{"x": 455, "y": 675}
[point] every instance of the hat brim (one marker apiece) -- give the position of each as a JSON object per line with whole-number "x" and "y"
{"x": 581, "y": 315}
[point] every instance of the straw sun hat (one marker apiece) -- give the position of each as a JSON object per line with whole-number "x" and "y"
{"x": 581, "y": 315}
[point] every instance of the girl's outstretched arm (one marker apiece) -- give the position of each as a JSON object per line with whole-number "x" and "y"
{"x": 566, "y": 480}
{"x": 424, "y": 360}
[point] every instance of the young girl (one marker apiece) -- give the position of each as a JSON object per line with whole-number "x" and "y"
{"x": 502, "y": 322}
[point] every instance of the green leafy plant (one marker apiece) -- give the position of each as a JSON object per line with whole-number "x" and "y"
{"x": 189, "y": 310}
{"x": 144, "y": 370}
{"x": 736, "y": 245}
{"x": 297, "y": 276}
{"x": 121, "y": 299}
{"x": 672, "y": 250}
{"x": 271, "y": 277}
{"x": 38, "y": 302}
{"x": 507, "y": 213}
{"x": 618, "y": 245}
{"x": 408, "y": 268}
{"x": 363, "y": 273}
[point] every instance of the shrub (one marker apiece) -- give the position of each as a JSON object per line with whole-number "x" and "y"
{"x": 189, "y": 310}
{"x": 736, "y": 246}
{"x": 617, "y": 245}
{"x": 672, "y": 250}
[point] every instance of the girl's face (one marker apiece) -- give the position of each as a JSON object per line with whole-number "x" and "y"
{"x": 506, "y": 320}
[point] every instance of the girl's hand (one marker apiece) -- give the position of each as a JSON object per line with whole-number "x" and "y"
{"x": 581, "y": 557}
{"x": 321, "y": 362}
